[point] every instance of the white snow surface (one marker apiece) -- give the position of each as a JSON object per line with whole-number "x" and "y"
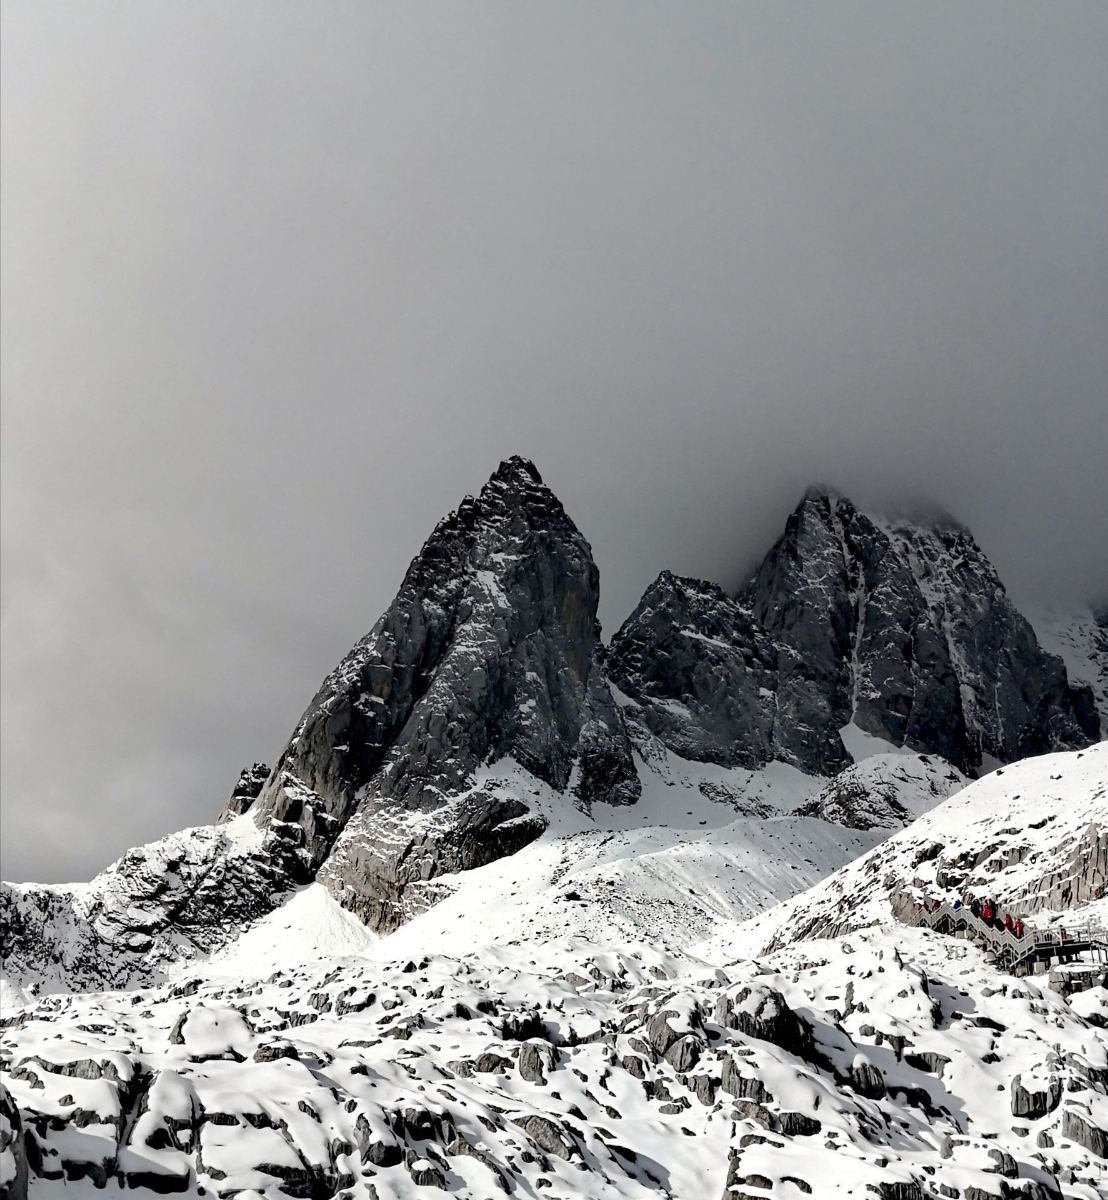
{"x": 512, "y": 1039}
{"x": 565, "y": 1070}
{"x": 861, "y": 745}
{"x": 1025, "y": 835}
{"x": 704, "y": 845}
{"x": 310, "y": 925}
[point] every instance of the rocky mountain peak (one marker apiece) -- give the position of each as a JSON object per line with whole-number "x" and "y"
{"x": 489, "y": 651}
{"x": 482, "y": 693}
{"x": 901, "y": 629}
{"x": 516, "y": 470}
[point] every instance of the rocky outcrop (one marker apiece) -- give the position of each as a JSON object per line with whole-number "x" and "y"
{"x": 1079, "y": 1127}
{"x": 249, "y": 787}
{"x": 13, "y": 1152}
{"x": 1083, "y": 876}
{"x": 901, "y": 628}
{"x": 162, "y": 903}
{"x": 914, "y": 636}
{"x": 1031, "y": 1104}
{"x": 482, "y": 695}
{"x": 490, "y": 652}
{"x": 1030, "y": 836}
{"x": 885, "y": 791}
{"x": 566, "y": 1069}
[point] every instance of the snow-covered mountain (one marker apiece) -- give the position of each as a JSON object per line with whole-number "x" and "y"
{"x": 886, "y": 1061}
{"x": 515, "y": 912}
{"x": 1080, "y": 640}
{"x": 1032, "y": 836}
{"x": 715, "y": 740}
{"x": 899, "y": 629}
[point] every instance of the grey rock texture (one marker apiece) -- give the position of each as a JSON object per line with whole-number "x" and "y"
{"x": 902, "y": 628}
{"x": 490, "y": 650}
{"x": 713, "y": 686}
{"x": 872, "y": 794}
{"x": 249, "y": 786}
{"x": 162, "y": 903}
{"x": 915, "y": 636}
{"x": 1032, "y": 1105}
{"x": 13, "y": 1153}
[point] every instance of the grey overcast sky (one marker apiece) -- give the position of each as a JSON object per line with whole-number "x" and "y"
{"x": 283, "y": 281}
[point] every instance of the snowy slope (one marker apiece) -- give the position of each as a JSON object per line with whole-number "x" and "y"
{"x": 169, "y": 902}
{"x": 480, "y": 1051}
{"x": 310, "y": 925}
{"x": 1032, "y": 835}
{"x": 875, "y": 1065}
{"x": 698, "y": 791}
{"x": 704, "y": 844}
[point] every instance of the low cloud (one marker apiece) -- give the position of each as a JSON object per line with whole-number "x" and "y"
{"x": 281, "y": 284}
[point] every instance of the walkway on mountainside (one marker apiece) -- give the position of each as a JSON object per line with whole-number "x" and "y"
{"x": 1019, "y": 955}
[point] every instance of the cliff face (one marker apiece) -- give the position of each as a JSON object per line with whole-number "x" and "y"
{"x": 713, "y": 684}
{"x": 902, "y": 629}
{"x": 489, "y": 650}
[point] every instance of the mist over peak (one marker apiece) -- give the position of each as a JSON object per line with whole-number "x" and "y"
{"x": 833, "y": 248}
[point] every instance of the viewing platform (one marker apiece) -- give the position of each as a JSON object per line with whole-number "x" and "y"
{"x": 1035, "y": 952}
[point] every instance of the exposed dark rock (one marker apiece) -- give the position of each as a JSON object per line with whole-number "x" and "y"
{"x": 928, "y": 1060}
{"x": 746, "y": 1087}
{"x": 548, "y": 1134}
{"x": 793, "y": 1124}
{"x": 915, "y": 636}
{"x": 867, "y": 1080}
{"x": 12, "y": 1144}
{"x": 1079, "y": 1127}
{"x": 490, "y": 650}
{"x": 684, "y": 1053}
{"x": 762, "y": 1012}
{"x": 535, "y": 1060}
{"x": 247, "y": 790}
{"x": 273, "y": 1052}
{"x": 709, "y": 680}
{"x": 903, "y": 628}
{"x": 1026, "y": 1103}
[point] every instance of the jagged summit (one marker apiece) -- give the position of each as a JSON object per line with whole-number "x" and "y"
{"x": 818, "y": 492}
{"x": 516, "y": 468}
{"x": 489, "y": 651}
{"x": 902, "y": 630}
{"x": 538, "y": 1025}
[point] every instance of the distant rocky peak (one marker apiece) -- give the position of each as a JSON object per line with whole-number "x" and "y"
{"x": 914, "y": 633}
{"x": 898, "y": 626}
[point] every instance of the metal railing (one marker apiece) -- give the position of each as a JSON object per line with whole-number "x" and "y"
{"x": 1005, "y": 946}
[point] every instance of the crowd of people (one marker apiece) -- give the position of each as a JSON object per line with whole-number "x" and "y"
{"x": 987, "y": 911}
